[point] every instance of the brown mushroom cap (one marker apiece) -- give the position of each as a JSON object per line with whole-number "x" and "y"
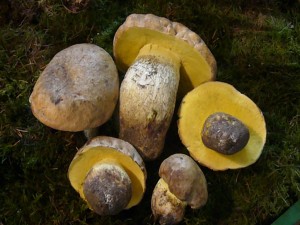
{"x": 77, "y": 90}
{"x": 185, "y": 179}
{"x": 114, "y": 151}
{"x": 198, "y": 65}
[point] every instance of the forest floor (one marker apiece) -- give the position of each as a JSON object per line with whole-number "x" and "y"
{"x": 256, "y": 44}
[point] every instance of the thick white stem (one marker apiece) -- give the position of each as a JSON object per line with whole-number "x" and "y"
{"x": 147, "y": 101}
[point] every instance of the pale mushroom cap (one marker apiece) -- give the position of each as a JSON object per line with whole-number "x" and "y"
{"x": 109, "y": 150}
{"x": 185, "y": 179}
{"x": 198, "y": 65}
{"x": 77, "y": 90}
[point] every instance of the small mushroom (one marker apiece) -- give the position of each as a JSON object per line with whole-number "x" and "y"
{"x": 182, "y": 183}
{"x": 156, "y": 53}
{"x": 221, "y": 128}
{"x": 78, "y": 90}
{"x": 109, "y": 174}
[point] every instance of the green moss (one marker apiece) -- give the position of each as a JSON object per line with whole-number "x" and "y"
{"x": 256, "y": 45}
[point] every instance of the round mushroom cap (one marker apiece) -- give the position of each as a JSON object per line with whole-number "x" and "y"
{"x": 109, "y": 150}
{"x": 77, "y": 90}
{"x": 185, "y": 179}
{"x": 210, "y": 98}
{"x": 198, "y": 64}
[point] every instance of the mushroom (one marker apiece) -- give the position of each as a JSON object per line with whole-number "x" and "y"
{"x": 182, "y": 183}
{"x": 221, "y": 127}
{"x": 78, "y": 90}
{"x": 156, "y": 53}
{"x": 109, "y": 174}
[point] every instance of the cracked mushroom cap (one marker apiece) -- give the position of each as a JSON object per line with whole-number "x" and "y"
{"x": 106, "y": 152}
{"x": 198, "y": 65}
{"x": 77, "y": 90}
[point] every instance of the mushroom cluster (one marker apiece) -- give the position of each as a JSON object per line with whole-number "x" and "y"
{"x": 164, "y": 62}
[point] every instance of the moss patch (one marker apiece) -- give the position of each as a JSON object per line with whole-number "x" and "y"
{"x": 256, "y": 45}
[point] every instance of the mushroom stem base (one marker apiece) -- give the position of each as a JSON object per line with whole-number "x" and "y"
{"x": 91, "y": 133}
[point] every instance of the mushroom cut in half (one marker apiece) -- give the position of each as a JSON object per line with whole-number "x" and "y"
{"x": 109, "y": 174}
{"x": 160, "y": 58}
{"x": 221, "y": 128}
{"x": 182, "y": 183}
{"x": 78, "y": 89}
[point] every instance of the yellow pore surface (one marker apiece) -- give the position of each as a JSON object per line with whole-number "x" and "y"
{"x": 85, "y": 160}
{"x": 210, "y": 98}
{"x": 194, "y": 68}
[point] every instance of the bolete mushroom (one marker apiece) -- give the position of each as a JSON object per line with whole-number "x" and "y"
{"x": 221, "y": 127}
{"x": 78, "y": 90}
{"x": 182, "y": 183}
{"x": 109, "y": 174}
{"x": 156, "y": 53}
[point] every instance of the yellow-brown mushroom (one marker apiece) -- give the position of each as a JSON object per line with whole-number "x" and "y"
{"x": 159, "y": 56}
{"x": 182, "y": 183}
{"x": 221, "y": 127}
{"x": 109, "y": 174}
{"x": 78, "y": 90}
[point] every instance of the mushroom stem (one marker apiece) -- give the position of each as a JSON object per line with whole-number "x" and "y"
{"x": 166, "y": 207}
{"x": 107, "y": 188}
{"x": 91, "y": 133}
{"x": 147, "y": 99}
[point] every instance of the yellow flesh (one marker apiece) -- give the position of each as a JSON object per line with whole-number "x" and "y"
{"x": 194, "y": 69}
{"x": 214, "y": 97}
{"x": 162, "y": 185}
{"x": 82, "y": 163}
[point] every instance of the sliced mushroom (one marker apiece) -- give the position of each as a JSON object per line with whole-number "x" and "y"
{"x": 109, "y": 175}
{"x": 182, "y": 183}
{"x": 221, "y": 128}
{"x": 156, "y": 53}
{"x": 78, "y": 89}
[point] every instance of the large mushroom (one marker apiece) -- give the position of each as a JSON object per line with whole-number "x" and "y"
{"x": 159, "y": 55}
{"x": 182, "y": 183}
{"x": 221, "y": 127}
{"x": 78, "y": 90}
{"x": 109, "y": 174}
